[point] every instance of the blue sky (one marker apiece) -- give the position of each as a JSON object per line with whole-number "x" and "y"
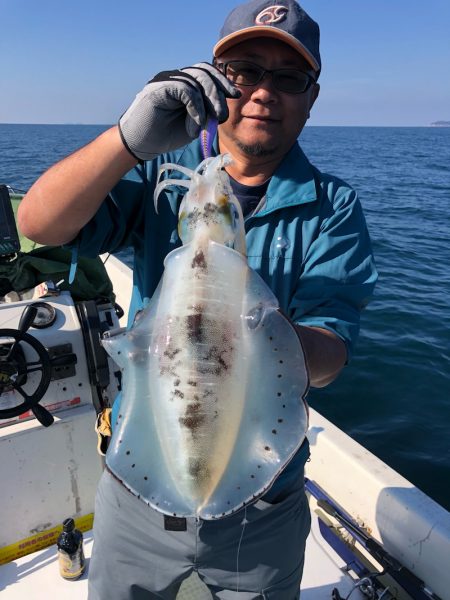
{"x": 385, "y": 62}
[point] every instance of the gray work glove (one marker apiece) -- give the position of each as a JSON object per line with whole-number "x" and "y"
{"x": 172, "y": 109}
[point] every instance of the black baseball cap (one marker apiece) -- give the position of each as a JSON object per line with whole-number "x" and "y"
{"x": 284, "y": 20}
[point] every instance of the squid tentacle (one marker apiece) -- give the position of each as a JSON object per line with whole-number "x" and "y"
{"x": 162, "y": 185}
{"x": 174, "y": 167}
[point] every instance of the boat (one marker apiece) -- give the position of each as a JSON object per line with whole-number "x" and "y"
{"x": 374, "y": 534}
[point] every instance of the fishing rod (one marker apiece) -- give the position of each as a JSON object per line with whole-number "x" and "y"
{"x": 411, "y": 584}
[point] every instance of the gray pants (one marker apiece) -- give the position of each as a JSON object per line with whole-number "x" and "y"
{"x": 135, "y": 558}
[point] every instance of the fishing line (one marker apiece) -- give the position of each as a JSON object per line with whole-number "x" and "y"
{"x": 243, "y": 523}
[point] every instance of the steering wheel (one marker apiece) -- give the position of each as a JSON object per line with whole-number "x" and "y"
{"x": 14, "y": 369}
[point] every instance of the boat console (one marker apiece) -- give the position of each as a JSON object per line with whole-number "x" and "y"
{"x": 51, "y": 358}
{"x": 50, "y": 352}
{"x": 55, "y": 377}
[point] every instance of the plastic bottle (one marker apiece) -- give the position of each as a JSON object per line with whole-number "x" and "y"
{"x": 70, "y": 551}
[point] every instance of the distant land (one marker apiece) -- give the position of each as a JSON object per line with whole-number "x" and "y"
{"x": 441, "y": 124}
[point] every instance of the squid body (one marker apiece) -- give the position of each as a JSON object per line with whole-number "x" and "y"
{"x": 214, "y": 376}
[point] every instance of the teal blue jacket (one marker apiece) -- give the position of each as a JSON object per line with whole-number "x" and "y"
{"x": 308, "y": 240}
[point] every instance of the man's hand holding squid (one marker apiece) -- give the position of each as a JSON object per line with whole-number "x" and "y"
{"x": 172, "y": 109}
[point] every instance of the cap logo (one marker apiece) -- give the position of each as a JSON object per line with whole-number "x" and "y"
{"x": 271, "y": 15}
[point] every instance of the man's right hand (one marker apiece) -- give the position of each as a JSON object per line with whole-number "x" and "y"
{"x": 172, "y": 109}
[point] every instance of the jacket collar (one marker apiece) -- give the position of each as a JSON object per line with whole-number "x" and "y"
{"x": 292, "y": 183}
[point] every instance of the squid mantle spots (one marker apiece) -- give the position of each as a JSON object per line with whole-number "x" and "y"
{"x": 217, "y": 355}
{"x": 215, "y": 361}
{"x": 198, "y": 470}
{"x": 194, "y": 326}
{"x": 211, "y": 210}
{"x": 169, "y": 369}
{"x": 193, "y": 419}
{"x": 207, "y": 215}
{"x": 199, "y": 261}
{"x": 167, "y": 362}
{"x": 171, "y": 352}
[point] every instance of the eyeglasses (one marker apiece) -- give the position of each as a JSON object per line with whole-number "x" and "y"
{"x": 241, "y": 72}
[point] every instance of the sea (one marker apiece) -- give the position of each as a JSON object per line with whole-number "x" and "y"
{"x": 394, "y": 396}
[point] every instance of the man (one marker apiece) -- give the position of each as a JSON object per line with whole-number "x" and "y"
{"x": 306, "y": 236}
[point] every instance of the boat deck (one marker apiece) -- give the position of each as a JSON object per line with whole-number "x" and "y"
{"x": 36, "y": 576}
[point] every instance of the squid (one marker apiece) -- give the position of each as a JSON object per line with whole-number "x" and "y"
{"x": 214, "y": 376}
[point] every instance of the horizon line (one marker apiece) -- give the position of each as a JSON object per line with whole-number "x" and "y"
{"x": 434, "y": 125}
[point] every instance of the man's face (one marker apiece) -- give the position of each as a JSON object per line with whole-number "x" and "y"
{"x": 265, "y": 122}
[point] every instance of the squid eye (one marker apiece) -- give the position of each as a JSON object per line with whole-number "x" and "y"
{"x": 254, "y": 316}
{"x": 234, "y": 216}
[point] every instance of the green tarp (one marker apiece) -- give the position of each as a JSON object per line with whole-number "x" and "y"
{"x": 52, "y": 264}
